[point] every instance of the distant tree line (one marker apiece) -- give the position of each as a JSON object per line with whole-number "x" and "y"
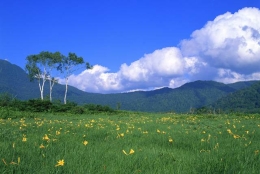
{"x": 42, "y": 67}
{"x": 46, "y": 106}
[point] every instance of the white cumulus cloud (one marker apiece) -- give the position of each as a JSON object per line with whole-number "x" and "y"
{"x": 226, "y": 49}
{"x": 231, "y": 41}
{"x": 153, "y": 70}
{"x": 96, "y": 79}
{"x": 164, "y": 62}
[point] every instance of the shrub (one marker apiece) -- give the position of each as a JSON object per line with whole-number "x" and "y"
{"x": 77, "y": 110}
{"x": 59, "y": 107}
{"x": 37, "y": 105}
{"x": 5, "y": 99}
{"x": 4, "y": 112}
{"x": 98, "y": 108}
{"x": 19, "y": 105}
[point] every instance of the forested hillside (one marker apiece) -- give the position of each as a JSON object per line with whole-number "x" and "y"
{"x": 14, "y": 80}
{"x": 244, "y": 100}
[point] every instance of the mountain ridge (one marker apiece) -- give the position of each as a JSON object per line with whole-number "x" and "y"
{"x": 244, "y": 100}
{"x": 14, "y": 80}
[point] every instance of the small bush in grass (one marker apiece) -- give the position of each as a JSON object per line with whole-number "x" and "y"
{"x": 98, "y": 108}
{"x": 59, "y": 107}
{"x": 6, "y": 99}
{"x": 77, "y": 110}
{"x": 37, "y": 105}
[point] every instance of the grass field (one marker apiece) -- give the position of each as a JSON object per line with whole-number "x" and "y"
{"x": 130, "y": 143}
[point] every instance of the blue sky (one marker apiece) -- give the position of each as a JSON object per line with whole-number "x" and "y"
{"x": 126, "y": 40}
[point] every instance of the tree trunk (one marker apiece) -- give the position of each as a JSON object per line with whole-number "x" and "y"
{"x": 66, "y": 90}
{"x": 52, "y": 81}
{"x": 51, "y": 90}
{"x": 41, "y": 86}
{"x": 41, "y": 90}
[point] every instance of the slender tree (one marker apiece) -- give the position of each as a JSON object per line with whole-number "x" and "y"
{"x": 40, "y": 65}
{"x": 53, "y": 63}
{"x": 52, "y": 82}
{"x": 34, "y": 71}
{"x": 69, "y": 65}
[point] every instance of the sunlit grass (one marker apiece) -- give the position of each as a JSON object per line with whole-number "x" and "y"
{"x": 130, "y": 143}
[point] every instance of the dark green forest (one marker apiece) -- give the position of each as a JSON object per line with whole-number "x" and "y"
{"x": 244, "y": 100}
{"x": 240, "y": 96}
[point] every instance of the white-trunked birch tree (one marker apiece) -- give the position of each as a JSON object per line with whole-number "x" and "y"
{"x": 54, "y": 63}
{"x": 69, "y": 65}
{"x": 40, "y": 66}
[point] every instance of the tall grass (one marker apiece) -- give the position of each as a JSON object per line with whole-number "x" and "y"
{"x": 130, "y": 143}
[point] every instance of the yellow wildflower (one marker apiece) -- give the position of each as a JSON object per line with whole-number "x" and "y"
{"x": 85, "y": 142}
{"x": 170, "y": 140}
{"x": 24, "y": 139}
{"x": 204, "y": 150}
{"x": 13, "y": 163}
{"x": 4, "y": 161}
{"x": 236, "y": 136}
{"x": 60, "y": 163}
{"x": 57, "y": 132}
{"x": 158, "y": 131}
{"x": 216, "y": 146}
{"x": 131, "y": 152}
{"x": 46, "y": 137}
{"x": 120, "y": 135}
{"x": 208, "y": 138}
{"x": 42, "y": 146}
{"x": 229, "y": 131}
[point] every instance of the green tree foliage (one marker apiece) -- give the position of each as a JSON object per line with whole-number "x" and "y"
{"x": 68, "y": 65}
{"x": 8, "y": 105}
{"x": 245, "y": 100}
{"x": 40, "y": 66}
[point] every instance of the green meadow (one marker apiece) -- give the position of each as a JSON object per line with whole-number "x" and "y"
{"x": 129, "y": 142}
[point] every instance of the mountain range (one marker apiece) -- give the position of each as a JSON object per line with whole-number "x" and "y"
{"x": 240, "y": 95}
